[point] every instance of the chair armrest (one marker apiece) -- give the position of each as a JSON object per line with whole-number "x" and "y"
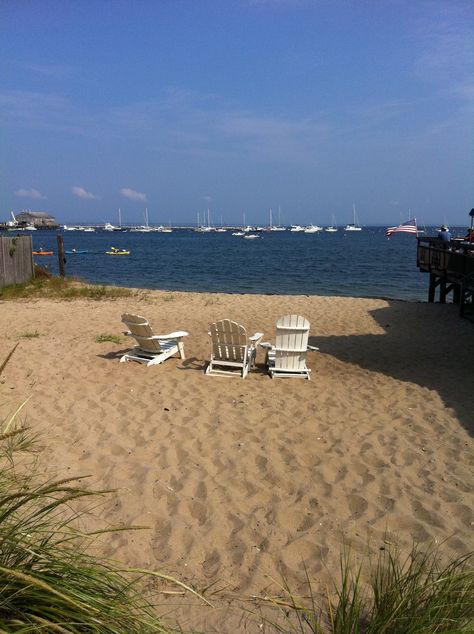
{"x": 266, "y": 345}
{"x": 173, "y": 335}
{"x": 313, "y": 348}
{"x": 255, "y": 339}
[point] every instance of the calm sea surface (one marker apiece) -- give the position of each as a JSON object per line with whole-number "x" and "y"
{"x": 363, "y": 264}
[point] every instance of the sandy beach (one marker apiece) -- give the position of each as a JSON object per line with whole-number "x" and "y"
{"x": 242, "y": 482}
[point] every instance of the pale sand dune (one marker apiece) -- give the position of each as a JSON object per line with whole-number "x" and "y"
{"x": 241, "y": 481}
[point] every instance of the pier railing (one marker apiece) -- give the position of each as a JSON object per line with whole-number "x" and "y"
{"x": 455, "y": 261}
{"x": 451, "y": 269}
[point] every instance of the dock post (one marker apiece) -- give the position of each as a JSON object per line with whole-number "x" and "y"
{"x": 442, "y": 291}
{"x": 61, "y": 258}
{"x": 431, "y": 291}
{"x": 456, "y": 293}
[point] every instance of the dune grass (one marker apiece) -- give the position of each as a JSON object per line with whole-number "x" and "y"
{"x": 29, "y": 334}
{"x": 420, "y": 593}
{"x": 66, "y": 288}
{"x": 109, "y": 339}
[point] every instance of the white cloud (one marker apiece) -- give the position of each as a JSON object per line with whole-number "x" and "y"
{"x": 80, "y": 192}
{"x": 30, "y": 193}
{"x": 132, "y": 194}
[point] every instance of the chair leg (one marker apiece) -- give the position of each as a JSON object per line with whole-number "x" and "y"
{"x": 253, "y": 357}
{"x": 181, "y": 349}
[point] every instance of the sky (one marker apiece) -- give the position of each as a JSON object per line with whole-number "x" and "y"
{"x": 177, "y": 106}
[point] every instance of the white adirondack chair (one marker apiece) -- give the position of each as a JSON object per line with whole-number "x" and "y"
{"x": 287, "y": 358}
{"x": 151, "y": 349}
{"x": 231, "y": 349}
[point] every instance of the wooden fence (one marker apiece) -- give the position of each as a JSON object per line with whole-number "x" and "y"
{"x": 16, "y": 260}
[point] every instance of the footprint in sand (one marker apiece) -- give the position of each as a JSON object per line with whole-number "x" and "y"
{"x": 212, "y": 564}
{"x": 357, "y": 505}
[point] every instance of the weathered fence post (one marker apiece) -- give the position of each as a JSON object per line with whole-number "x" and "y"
{"x": 16, "y": 260}
{"x": 61, "y": 258}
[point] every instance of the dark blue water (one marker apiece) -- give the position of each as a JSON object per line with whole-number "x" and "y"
{"x": 363, "y": 264}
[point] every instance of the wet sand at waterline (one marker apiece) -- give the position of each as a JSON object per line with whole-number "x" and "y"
{"x": 242, "y": 482}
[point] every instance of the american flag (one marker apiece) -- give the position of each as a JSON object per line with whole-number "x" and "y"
{"x": 406, "y": 227}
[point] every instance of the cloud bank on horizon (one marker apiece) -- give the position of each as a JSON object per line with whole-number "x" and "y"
{"x": 308, "y": 106}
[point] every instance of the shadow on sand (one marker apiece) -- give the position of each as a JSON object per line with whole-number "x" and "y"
{"x": 426, "y": 344}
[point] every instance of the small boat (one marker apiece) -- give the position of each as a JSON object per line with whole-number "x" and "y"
{"x": 296, "y": 228}
{"x": 115, "y": 251}
{"x": 41, "y": 252}
{"x": 75, "y": 252}
{"x": 251, "y": 236}
{"x": 313, "y": 229}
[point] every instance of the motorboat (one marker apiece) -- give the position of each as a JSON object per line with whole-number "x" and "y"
{"x": 312, "y": 229}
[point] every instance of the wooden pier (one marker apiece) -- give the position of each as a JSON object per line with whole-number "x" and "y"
{"x": 451, "y": 271}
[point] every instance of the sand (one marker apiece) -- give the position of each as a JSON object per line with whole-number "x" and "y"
{"x": 242, "y": 482}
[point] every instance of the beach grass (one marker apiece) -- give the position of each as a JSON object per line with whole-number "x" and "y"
{"x": 418, "y": 593}
{"x": 29, "y": 334}
{"x": 65, "y": 288}
{"x": 109, "y": 339}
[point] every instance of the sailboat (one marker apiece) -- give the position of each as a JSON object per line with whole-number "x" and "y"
{"x": 333, "y": 227}
{"x": 205, "y": 228}
{"x": 119, "y": 228}
{"x": 143, "y": 228}
{"x": 221, "y": 228}
{"x": 355, "y": 225}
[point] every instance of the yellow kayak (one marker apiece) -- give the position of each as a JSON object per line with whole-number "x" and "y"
{"x": 115, "y": 251}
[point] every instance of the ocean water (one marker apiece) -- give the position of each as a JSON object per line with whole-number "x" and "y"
{"x": 359, "y": 264}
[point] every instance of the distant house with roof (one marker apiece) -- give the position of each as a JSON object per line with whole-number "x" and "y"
{"x": 37, "y": 219}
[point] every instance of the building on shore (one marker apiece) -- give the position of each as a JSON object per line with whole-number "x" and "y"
{"x": 36, "y": 219}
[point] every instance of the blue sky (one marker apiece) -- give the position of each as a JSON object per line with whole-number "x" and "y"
{"x": 239, "y": 106}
